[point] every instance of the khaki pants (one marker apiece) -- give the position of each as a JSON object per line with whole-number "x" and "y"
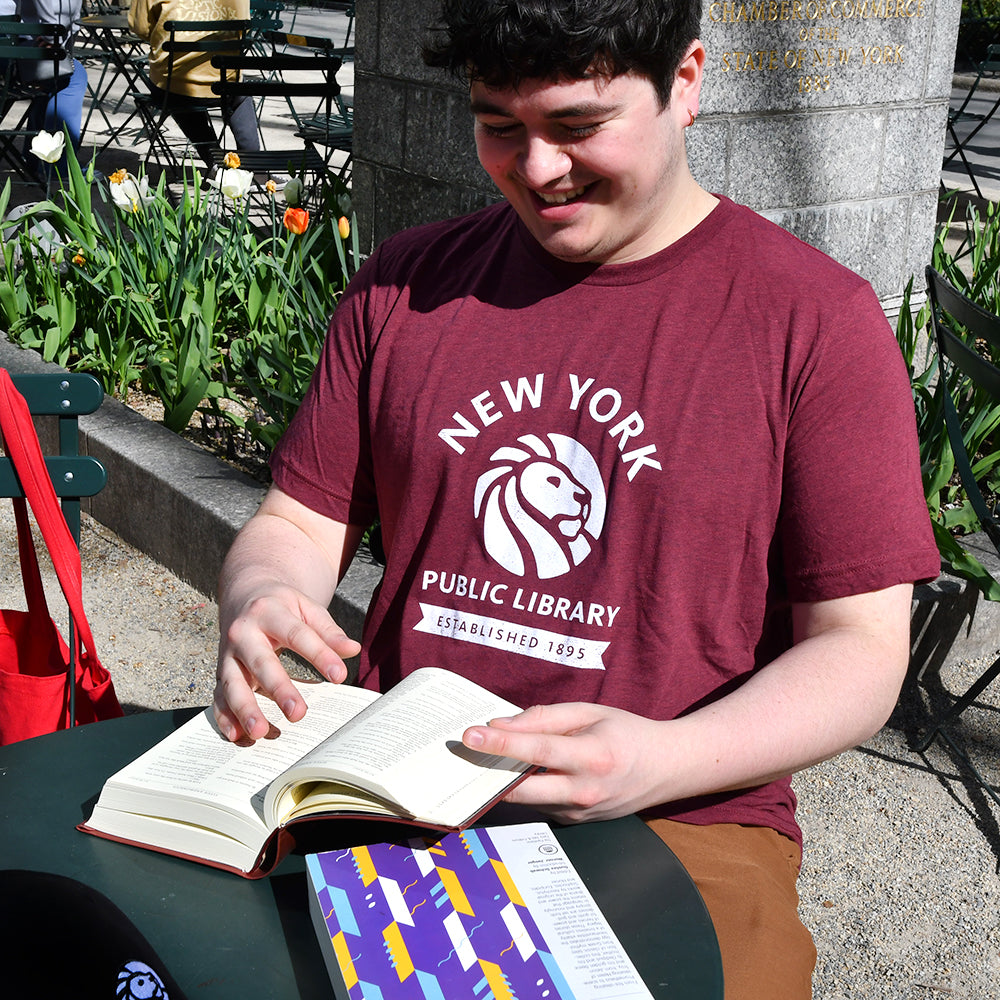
{"x": 747, "y": 875}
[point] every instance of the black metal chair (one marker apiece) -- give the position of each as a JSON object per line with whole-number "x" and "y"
{"x": 18, "y": 55}
{"x": 208, "y": 37}
{"x": 288, "y": 77}
{"x": 966, "y": 336}
{"x": 988, "y": 73}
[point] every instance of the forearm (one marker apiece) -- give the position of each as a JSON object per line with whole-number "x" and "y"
{"x": 825, "y": 695}
{"x": 271, "y": 551}
{"x": 830, "y": 691}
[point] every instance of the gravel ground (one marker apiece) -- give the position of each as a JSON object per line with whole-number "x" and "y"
{"x": 900, "y": 884}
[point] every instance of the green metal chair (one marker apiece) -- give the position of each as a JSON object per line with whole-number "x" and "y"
{"x": 966, "y": 335}
{"x": 74, "y": 476}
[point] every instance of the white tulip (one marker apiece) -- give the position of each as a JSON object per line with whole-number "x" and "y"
{"x": 48, "y": 146}
{"x": 128, "y": 192}
{"x": 234, "y": 183}
{"x": 293, "y": 192}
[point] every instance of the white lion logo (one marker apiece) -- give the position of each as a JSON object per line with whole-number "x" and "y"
{"x": 539, "y": 503}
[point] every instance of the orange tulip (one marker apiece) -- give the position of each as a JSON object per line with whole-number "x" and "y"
{"x": 231, "y": 161}
{"x": 296, "y": 220}
{"x": 343, "y": 227}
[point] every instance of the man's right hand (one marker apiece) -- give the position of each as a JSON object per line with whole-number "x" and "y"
{"x": 248, "y": 661}
{"x": 274, "y": 591}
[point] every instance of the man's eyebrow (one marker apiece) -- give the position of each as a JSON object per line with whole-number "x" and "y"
{"x": 586, "y": 109}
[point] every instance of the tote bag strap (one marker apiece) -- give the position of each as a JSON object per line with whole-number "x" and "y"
{"x": 25, "y": 453}
{"x": 34, "y": 592}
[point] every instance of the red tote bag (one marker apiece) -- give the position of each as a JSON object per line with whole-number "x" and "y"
{"x": 34, "y": 658}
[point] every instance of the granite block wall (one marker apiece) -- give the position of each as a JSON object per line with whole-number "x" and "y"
{"x": 827, "y": 116}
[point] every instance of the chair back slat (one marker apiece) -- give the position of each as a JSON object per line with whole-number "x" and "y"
{"x": 65, "y": 396}
{"x": 72, "y": 477}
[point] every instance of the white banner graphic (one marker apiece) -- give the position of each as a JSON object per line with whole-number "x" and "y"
{"x": 584, "y": 654}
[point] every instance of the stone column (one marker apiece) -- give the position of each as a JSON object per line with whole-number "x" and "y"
{"x": 827, "y": 116}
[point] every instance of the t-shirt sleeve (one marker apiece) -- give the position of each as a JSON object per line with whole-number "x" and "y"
{"x": 324, "y": 459}
{"x": 853, "y": 516}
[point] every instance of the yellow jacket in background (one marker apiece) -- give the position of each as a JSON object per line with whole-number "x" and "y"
{"x": 193, "y": 73}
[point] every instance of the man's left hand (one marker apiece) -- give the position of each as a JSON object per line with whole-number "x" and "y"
{"x": 598, "y": 761}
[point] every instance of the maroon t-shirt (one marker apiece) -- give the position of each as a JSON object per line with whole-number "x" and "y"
{"x": 606, "y": 483}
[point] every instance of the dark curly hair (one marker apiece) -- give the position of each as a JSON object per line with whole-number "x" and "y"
{"x": 503, "y": 42}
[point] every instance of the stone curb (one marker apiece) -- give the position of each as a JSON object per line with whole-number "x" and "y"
{"x": 175, "y": 502}
{"x": 182, "y": 506}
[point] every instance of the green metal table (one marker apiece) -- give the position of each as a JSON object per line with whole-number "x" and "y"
{"x": 224, "y": 936}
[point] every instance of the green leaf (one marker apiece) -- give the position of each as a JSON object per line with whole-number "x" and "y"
{"x": 963, "y": 564}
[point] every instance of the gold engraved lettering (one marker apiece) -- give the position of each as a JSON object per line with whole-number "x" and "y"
{"x": 742, "y": 61}
{"x": 884, "y": 55}
{"x": 733, "y": 11}
{"x": 864, "y": 10}
{"x": 820, "y": 33}
{"x": 813, "y": 84}
{"x": 830, "y": 57}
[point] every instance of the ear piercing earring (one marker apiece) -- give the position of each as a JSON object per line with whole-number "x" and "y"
{"x": 691, "y": 115}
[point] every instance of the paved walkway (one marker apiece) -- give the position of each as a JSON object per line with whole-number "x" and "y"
{"x": 900, "y": 884}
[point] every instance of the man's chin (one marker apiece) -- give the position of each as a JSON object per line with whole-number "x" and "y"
{"x": 570, "y": 249}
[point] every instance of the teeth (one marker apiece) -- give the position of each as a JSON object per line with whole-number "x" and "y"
{"x": 560, "y": 197}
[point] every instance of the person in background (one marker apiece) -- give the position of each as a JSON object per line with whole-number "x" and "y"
{"x": 62, "y": 109}
{"x": 191, "y": 77}
{"x": 628, "y": 470}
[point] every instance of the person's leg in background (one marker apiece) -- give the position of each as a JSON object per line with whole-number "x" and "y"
{"x": 194, "y": 121}
{"x": 62, "y": 110}
{"x": 241, "y": 117}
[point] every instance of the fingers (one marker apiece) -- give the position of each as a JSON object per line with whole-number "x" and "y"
{"x": 541, "y": 735}
{"x": 248, "y": 663}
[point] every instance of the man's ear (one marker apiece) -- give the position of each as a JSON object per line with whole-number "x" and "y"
{"x": 686, "y": 91}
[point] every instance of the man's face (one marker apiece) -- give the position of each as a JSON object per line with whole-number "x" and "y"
{"x": 595, "y": 168}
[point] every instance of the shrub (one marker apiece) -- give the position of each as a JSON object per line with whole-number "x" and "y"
{"x": 192, "y": 300}
{"x": 973, "y": 269}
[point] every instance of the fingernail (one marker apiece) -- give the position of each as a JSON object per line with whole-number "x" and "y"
{"x": 473, "y": 739}
{"x": 249, "y": 724}
{"x": 288, "y": 707}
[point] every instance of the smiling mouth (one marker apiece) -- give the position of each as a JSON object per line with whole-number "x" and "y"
{"x": 560, "y": 197}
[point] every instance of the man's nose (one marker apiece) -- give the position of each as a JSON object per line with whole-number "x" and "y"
{"x": 542, "y": 161}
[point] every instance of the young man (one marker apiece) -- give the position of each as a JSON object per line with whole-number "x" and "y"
{"x": 641, "y": 460}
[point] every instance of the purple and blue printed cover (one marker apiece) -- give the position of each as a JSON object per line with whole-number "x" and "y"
{"x": 431, "y": 919}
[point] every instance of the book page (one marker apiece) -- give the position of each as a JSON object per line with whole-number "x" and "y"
{"x": 407, "y": 748}
{"x": 197, "y": 764}
{"x": 582, "y": 942}
{"x": 427, "y": 706}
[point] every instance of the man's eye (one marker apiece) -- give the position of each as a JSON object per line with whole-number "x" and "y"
{"x": 496, "y": 131}
{"x": 581, "y": 131}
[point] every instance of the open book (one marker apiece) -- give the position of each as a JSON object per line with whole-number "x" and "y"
{"x": 355, "y": 753}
